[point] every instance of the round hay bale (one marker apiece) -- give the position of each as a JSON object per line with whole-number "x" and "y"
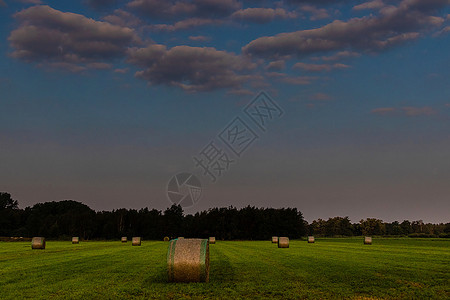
{"x": 124, "y": 239}
{"x": 136, "y": 241}
{"x": 311, "y": 239}
{"x": 188, "y": 260}
{"x": 166, "y": 239}
{"x": 368, "y": 240}
{"x": 75, "y": 240}
{"x": 283, "y": 242}
{"x": 38, "y": 243}
{"x": 274, "y": 240}
{"x": 212, "y": 240}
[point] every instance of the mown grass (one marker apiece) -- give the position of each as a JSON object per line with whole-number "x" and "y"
{"x": 327, "y": 269}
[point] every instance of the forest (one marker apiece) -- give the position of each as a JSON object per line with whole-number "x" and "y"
{"x": 67, "y": 218}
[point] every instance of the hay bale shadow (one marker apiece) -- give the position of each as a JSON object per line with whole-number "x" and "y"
{"x": 220, "y": 269}
{"x": 160, "y": 275}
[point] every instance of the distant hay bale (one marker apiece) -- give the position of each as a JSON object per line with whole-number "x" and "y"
{"x": 136, "y": 241}
{"x": 166, "y": 239}
{"x": 311, "y": 239}
{"x": 124, "y": 239}
{"x": 368, "y": 240}
{"x": 283, "y": 242}
{"x": 75, "y": 240}
{"x": 180, "y": 237}
{"x": 188, "y": 260}
{"x": 38, "y": 243}
{"x": 212, "y": 239}
{"x": 274, "y": 240}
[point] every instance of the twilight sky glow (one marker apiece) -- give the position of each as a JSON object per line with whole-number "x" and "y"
{"x": 103, "y": 101}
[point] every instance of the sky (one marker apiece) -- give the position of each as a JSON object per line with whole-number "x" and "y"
{"x": 335, "y": 107}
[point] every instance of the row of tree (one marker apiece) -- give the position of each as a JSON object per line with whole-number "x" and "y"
{"x": 339, "y": 226}
{"x": 68, "y": 218}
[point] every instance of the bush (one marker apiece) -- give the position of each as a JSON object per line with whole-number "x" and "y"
{"x": 421, "y": 235}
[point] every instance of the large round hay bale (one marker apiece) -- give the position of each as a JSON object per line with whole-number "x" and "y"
{"x": 274, "y": 240}
{"x": 124, "y": 239}
{"x": 368, "y": 240}
{"x": 38, "y": 243}
{"x": 75, "y": 240}
{"x": 166, "y": 239}
{"x": 212, "y": 240}
{"x": 188, "y": 260}
{"x": 311, "y": 239}
{"x": 136, "y": 241}
{"x": 283, "y": 242}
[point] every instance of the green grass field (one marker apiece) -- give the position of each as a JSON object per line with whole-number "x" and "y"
{"x": 329, "y": 269}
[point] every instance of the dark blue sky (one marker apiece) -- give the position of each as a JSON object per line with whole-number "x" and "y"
{"x": 103, "y": 101}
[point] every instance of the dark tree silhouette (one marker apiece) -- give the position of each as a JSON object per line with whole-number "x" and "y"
{"x": 6, "y": 202}
{"x": 63, "y": 219}
{"x": 10, "y": 215}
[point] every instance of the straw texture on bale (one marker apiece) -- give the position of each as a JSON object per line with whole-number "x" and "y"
{"x": 283, "y": 242}
{"x": 136, "y": 241}
{"x": 75, "y": 240}
{"x": 368, "y": 240}
{"x": 274, "y": 240}
{"x": 311, "y": 239}
{"x": 188, "y": 260}
{"x": 38, "y": 243}
{"x": 212, "y": 239}
{"x": 166, "y": 239}
{"x": 124, "y": 239}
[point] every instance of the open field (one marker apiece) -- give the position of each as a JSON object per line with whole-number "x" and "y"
{"x": 330, "y": 268}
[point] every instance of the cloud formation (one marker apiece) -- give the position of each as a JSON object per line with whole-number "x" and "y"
{"x": 199, "y": 38}
{"x": 191, "y": 68}
{"x": 315, "y": 1}
{"x": 121, "y": 71}
{"x": 30, "y": 1}
{"x": 382, "y": 110}
{"x": 262, "y": 15}
{"x": 299, "y": 80}
{"x": 409, "y": 111}
{"x": 393, "y": 26}
{"x": 319, "y": 67}
{"x": 442, "y": 32}
{"x": 184, "y": 24}
{"x": 321, "y": 97}
{"x": 316, "y": 13}
{"x": 418, "y": 111}
{"x": 46, "y": 35}
{"x": 375, "y": 4}
{"x": 340, "y": 55}
{"x": 55, "y": 39}
{"x": 123, "y": 18}
{"x": 277, "y": 65}
{"x": 173, "y": 9}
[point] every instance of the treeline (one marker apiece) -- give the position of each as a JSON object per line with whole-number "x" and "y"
{"x": 64, "y": 219}
{"x": 339, "y": 226}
